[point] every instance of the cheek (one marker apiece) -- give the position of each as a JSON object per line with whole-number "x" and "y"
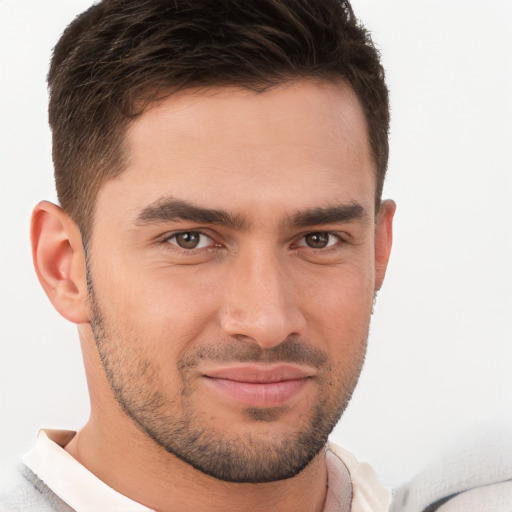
{"x": 341, "y": 308}
{"x": 166, "y": 309}
{"x": 348, "y": 286}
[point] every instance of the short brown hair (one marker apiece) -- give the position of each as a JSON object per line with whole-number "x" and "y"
{"x": 120, "y": 55}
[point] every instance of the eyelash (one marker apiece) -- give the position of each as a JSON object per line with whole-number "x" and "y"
{"x": 193, "y": 251}
{"x": 166, "y": 240}
{"x": 339, "y": 241}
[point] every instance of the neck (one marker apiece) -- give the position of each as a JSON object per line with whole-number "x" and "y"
{"x": 132, "y": 464}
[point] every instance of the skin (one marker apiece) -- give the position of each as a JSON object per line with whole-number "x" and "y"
{"x": 161, "y": 318}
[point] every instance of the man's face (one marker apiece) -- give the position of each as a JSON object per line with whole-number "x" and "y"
{"x": 232, "y": 274}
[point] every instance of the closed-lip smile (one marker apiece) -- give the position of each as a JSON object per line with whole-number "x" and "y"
{"x": 258, "y": 385}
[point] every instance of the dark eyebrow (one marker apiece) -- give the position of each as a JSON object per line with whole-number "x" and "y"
{"x": 329, "y": 215}
{"x": 170, "y": 209}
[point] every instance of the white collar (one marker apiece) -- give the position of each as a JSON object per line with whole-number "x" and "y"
{"x": 368, "y": 494}
{"x": 72, "y": 482}
{"x": 85, "y": 492}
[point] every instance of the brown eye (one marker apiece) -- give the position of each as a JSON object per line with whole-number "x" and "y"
{"x": 190, "y": 240}
{"x": 317, "y": 240}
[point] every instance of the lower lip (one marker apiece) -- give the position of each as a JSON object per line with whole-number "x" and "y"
{"x": 264, "y": 395}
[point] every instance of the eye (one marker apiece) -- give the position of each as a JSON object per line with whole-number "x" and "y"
{"x": 319, "y": 240}
{"x": 190, "y": 240}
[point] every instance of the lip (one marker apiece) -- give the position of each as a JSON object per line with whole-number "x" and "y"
{"x": 259, "y": 386}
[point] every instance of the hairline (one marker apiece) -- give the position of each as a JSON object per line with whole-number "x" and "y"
{"x": 154, "y": 96}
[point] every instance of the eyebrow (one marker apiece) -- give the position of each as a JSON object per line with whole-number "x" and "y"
{"x": 329, "y": 215}
{"x": 170, "y": 209}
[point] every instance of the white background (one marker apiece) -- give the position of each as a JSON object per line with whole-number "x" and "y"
{"x": 440, "y": 354}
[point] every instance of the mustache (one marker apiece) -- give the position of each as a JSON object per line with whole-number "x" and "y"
{"x": 288, "y": 351}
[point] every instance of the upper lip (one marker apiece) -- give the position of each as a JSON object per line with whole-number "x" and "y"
{"x": 259, "y": 374}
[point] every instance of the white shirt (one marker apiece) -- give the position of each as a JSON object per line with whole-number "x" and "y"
{"x": 84, "y": 492}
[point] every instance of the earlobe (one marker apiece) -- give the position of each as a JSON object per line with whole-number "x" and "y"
{"x": 383, "y": 240}
{"x": 59, "y": 260}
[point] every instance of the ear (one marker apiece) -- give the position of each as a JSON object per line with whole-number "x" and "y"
{"x": 59, "y": 260}
{"x": 383, "y": 240}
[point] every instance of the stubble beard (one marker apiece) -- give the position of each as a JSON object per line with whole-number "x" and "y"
{"x": 174, "y": 424}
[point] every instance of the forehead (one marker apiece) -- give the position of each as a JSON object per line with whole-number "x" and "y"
{"x": 303, "y": 142}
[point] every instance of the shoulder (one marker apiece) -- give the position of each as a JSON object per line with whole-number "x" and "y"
{"x": 24, "y": 492}
{"x": 495, "y": 497}
{"x": 472, "y": 475}
{"x": 368, "y": 494}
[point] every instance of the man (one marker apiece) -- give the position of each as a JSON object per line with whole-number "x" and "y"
{"x": 219, "y": 244}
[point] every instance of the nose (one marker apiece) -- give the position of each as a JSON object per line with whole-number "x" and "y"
{"x": 260, "y": 302}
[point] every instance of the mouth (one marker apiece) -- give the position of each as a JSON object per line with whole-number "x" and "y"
{"x": 258, "y": 385}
